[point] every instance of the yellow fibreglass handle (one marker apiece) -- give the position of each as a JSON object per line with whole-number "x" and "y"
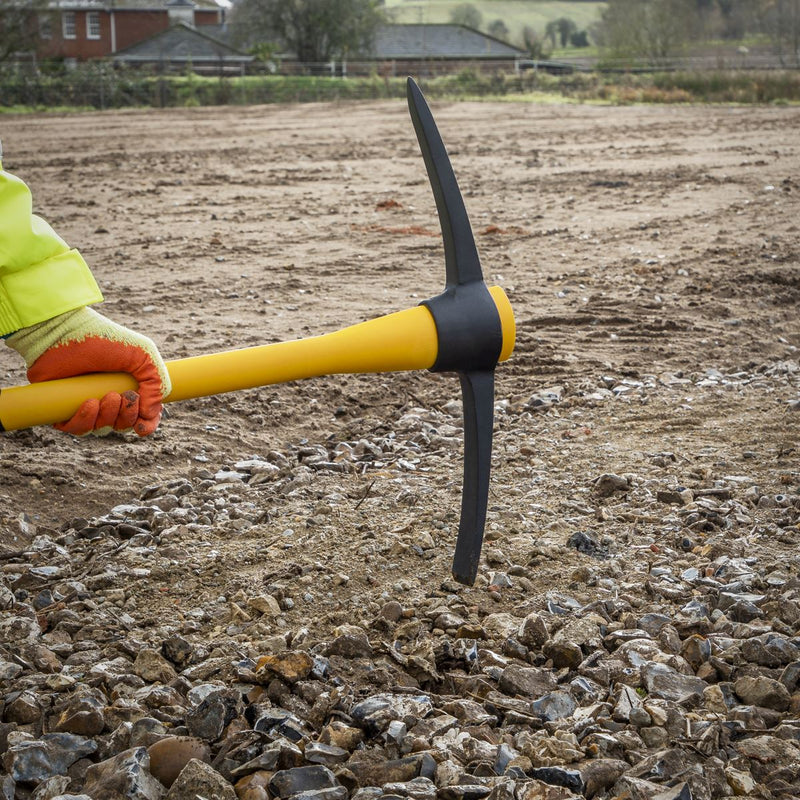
{"x": 405, "y": 340}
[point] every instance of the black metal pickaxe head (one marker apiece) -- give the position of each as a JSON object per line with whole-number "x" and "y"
{"x": 470, "y": 335}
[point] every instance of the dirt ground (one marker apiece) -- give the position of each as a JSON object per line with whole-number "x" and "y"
{"x": 650, "y": 253}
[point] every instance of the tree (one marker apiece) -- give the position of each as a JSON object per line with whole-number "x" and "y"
{"x": 534, "y": 44}
{"x": 19, "y": 27}
{"x": 783, "y": 25}
{"x": 498, "y": 29}
{"x": 559, "y": 30}
{"x": 317, "y": 31}
{"x": 650, "y": 30}
{"x": 466, "y": 14}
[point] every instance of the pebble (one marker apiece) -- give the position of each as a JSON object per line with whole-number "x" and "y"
{"x": 674, "y": 652}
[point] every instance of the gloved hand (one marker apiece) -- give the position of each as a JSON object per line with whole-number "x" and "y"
{"x": 84, "y": 341}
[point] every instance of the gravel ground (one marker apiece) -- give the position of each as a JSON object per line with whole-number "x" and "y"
{"x": 256, "y": 602}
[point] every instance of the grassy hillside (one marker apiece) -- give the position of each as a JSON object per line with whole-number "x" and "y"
{"x": 516, "y": 14}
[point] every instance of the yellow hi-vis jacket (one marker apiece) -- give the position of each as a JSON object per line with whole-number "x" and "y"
{"x": 40, "y": 276}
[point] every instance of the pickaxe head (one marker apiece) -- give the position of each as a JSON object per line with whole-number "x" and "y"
{"x": 470, "y": 335}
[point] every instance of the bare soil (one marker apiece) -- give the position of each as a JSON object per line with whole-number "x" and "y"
{"x": 632, "y": 241}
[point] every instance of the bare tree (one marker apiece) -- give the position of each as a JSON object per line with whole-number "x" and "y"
{"x": 317, "y": 31}
{"x": 19, "y": 27}
{"x": 645, "y": 30}
{"x": 782, "y": 21}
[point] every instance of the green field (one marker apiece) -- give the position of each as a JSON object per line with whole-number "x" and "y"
{"x": 516, "y": 14}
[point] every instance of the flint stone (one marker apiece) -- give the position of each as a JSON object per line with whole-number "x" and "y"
{"x": 126, "y": 775}
{"x": 288, "y": 782}
{"x": 769, "y": 749}
{"x": 639, "y": 789}
{"x": 773, "y": 652}
{"x": 49, "y": 755}
{"x": 368, "y": 771}
{"x": 350, "y": 645}
{"x": 555, "y": 705}
{"x": 533, "y": 632}
{"x": 527, "y": 681}
{"x": 416, "y": 789}
{"x": 209, "y": 719}
{"x": 375, "y": 713}
{"x": 600, "y": 774}
{"x": 563, "y": 654}
{"x": 558, "y": 776}
{"x": 292, "y": 666}
{"x": 331, "y": 793}
{"x": 51, "y": 787}
{"x": 152, "y": 667}
{"x": 665, "y": 683}
{"x": 177, "y": 650}
{"x": 762, "y": 691}
{"x": 790, "y": 677}
{"x": 82, "y": 715}
{"x": 22, "y": 707}
{"x": 199, "y": 779}
{"x": 467, "y": 791}
{"x": 170, "y": 755}
{"x": 326, "y": 754}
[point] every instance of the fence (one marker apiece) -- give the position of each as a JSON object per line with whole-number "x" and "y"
{"x": 101, "y": 86}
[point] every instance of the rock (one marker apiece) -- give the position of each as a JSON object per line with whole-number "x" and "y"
{"x": 211, "y": 716}
{"x": 170, "y": 755}
{"x": 664, "y": 682}
{"x": 554, "y": 705}
{"x": 326, "y": 754}
{"x": 762, "y": 691}
{"x": 288, "y": 782}
{"x": 199, "y": 779}
{"x": 83, "y": 715}
{"x": 741, "y": 783}
{"x": 291, "y": 666}
{"x": 586, "y": 542}
{"x": 51, "y": 754}
{"x": 607, "y": 484}
{"x": 350, "y": 645}
{"x": 529, "y": 682}
{"x": 533, "y": 632}
{"x": 151, "y": 666}
{"x": 558, "y": 776}
{"x": 600, "y": 774}
{"x": 369, "y": 771}
{"x": 125, "y": 775}
{"x": 177, "y": 650}
{"x": 464, "y": 791}
{"x": 375, "y": 713}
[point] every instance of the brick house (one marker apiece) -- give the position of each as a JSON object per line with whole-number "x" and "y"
{"x": 79, "y": 30}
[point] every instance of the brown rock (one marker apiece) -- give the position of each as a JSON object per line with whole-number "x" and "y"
{"x": 762, "y": 691}
{"x": 170, "y": 755}
{"x": 151, "y": 666}
{"x": 254, "y": 786}
{"x": 199, "y": 779}
{"x": 600, "y": 774}
{"x": 291, "y": 666}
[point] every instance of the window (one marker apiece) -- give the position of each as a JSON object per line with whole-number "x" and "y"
{"x": 45, "y": 26}
{"x": 68, "y": 26}
{"x": 92, "y": 24}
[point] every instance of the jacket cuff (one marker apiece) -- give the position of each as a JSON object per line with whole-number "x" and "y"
{"x": 45, "y": 290}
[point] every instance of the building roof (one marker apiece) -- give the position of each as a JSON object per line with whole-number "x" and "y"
{"x": 126, "y": 5}
{"x": 439, "y": 41}
{"x": 181, "y": 43}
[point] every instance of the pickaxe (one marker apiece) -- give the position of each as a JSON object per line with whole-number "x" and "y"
{"x": 467, "y": 329}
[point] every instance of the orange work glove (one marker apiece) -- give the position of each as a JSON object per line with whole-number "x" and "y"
{"x": 84, "y": 341}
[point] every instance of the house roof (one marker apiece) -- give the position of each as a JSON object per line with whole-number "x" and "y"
{"x": 126, "y": 5}
{"x": 439, "y": 41}
{"x": 181, "y": 43}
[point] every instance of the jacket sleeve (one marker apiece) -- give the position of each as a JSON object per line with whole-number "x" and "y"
{"x": 40, "y": 276}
